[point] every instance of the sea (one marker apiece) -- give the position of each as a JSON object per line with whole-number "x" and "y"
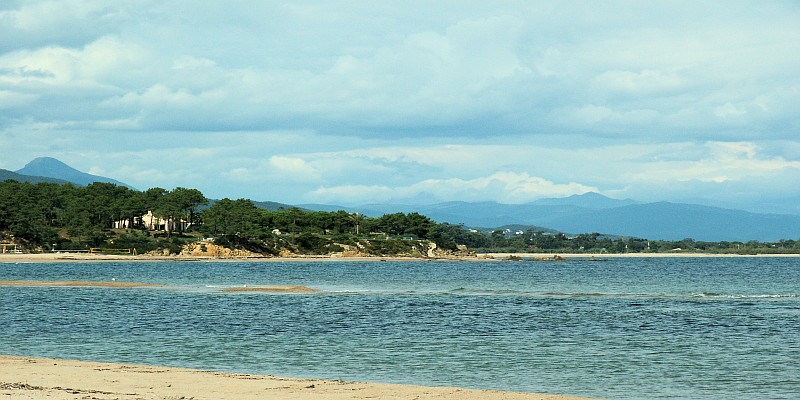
{"x": 625, "y": 328}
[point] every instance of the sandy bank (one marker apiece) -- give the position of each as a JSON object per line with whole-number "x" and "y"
{"x": 271, "y": 289}
{"x": 39, "y": 379}
{"x": 585, "y": 256}
{"x": 111, "y": 284}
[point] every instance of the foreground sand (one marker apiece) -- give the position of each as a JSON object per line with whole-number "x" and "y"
{"x": 40, "y": 379}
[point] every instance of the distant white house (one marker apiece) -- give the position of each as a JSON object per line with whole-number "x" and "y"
{"x": 154, "y": 223}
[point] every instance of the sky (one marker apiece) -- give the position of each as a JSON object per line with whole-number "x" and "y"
{"x": 412, "y": 102}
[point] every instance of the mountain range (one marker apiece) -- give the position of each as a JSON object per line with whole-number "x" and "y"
{"x": 585, "y": 213}
{"x": 593, "y": 212}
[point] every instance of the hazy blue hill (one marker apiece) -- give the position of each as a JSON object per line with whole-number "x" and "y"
{"x": 332, "y": 208}
{"x": 6, "y": 175}
{"x": 266, "y": 205}
{"x": 593, "y": 212}
{"x": 52, "y": 168}
{"x": 273, "y": 206}
{"x": 586, "y": 200}
{"x": 675, "y": 221}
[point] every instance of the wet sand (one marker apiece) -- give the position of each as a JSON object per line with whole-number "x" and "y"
{"x": 271, "y": 289}
{"x": 40, "y": 379}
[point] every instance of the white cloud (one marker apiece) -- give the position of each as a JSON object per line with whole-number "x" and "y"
{"x": 292, "y": 168}
{"x": 505, "y": 187}
{"x": 647, "y": 81}
{"x": 496, "y": 100}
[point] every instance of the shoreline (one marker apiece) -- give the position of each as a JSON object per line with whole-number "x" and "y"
{"x": 83, "y": 257}
{"x": 34, "y": 378}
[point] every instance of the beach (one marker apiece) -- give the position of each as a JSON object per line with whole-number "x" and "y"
{"x": 84, "y": 257}
{"x": 41, "y": 378}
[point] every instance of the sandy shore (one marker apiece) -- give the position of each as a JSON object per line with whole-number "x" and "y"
{"x": 584, "y": 256}
{"x": 40, "y": 379}
{"x": 68, "y": 257}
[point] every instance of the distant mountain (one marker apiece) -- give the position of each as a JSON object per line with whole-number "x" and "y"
{"x": 52, "y": 168}
{"x": 273, "y": 206}
{"x": 9, "y": 175}
{"x": 593, "y": 212}
{"x": 335, "y": 208}
{"x": 675, "y": 221}
{"x": 586, "y": 200}
{"x": 265, "y": 205}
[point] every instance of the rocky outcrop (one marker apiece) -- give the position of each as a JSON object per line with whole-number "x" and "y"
{"x": 208, "y": 249}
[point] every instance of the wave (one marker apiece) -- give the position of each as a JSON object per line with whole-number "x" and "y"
{"x": 623, "y": 295}
{"x": 493, "y": 292}
{"x": 713, "y": 295}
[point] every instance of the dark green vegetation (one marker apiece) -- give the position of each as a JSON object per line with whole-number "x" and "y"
{"x": 45, "y": 216}
{"x": 535, "y": 240}
{"x": 48, "y": 216}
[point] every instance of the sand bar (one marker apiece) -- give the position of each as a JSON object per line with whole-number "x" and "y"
{"x": 40, "y": 379}
{"x": 271, "y": 289}
{"x": 585, "y": 256}
{"x": 111, "y": 284}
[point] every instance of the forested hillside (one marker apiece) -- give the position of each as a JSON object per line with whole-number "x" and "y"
{"x": 49, "y": 216}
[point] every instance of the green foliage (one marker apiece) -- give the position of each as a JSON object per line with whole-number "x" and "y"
{"x": 309, "y": 243}
{"x": 81, "y": 217}
{"x": 48, "y": 215}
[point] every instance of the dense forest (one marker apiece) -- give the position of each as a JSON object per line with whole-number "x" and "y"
{"x": 50, "y": 216}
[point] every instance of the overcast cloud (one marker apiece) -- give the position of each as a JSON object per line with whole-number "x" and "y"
{"x": 352, "y": 102}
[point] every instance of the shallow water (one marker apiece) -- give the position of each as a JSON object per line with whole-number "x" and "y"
{"x": 624, "y": 329}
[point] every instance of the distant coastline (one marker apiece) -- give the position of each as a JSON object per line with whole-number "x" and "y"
{"x": 82, "y": 257}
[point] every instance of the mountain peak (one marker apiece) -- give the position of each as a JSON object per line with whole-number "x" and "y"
{"x": 592, "y": 200}
{"x": 52, "y": 168}
{"x": 46, "y": 166}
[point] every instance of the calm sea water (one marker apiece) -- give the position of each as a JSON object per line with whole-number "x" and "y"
{"x": 704, "y": 328}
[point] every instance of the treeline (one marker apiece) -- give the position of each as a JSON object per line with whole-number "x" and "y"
{"x": 46, "y": 216}
{"x": 541, "y": 241}
{"x": 67, "y": 216}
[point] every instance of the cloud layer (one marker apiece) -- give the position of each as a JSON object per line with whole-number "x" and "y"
{"x": 350, "y": 102}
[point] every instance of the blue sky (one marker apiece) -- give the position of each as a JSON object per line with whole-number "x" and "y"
{"x": 354, "y": 102}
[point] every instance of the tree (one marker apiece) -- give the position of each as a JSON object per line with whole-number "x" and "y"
{"x": 357, "y": 219}
{"x": 185, "y": 201}
{"x": 233, "y": 217}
